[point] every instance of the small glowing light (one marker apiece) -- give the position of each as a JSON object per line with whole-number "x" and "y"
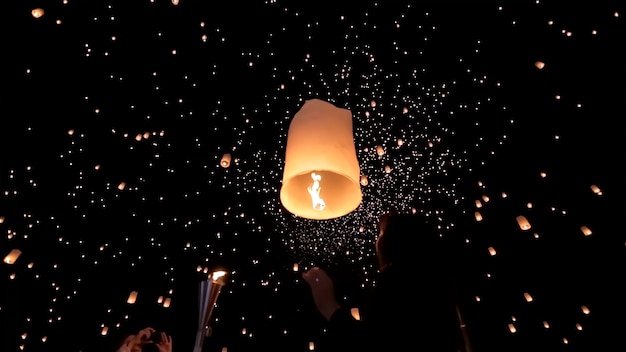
{"x": 478, "y": 216}
{"x": 104, "y": 331}
{"x": 225, "y": 162}
{"x": 528, "y": 297}
{"x": 295, "y": 266}
{"x": 121, "y": 186}
{"x": 478, "y": 203}
{"x": 12, "y": 256}
{"x": 160, "y": 300}
{"x": 546, "y": 324}
{"x": 363, "y": 180}
{"x": 585, "y": 310}
{"x": 355, "y": 313}
{"x": 579, "y": 327}
{"x": 492, "y": 251}
{"x": 595, "y": 189}
{"x": 311, "y": 346}
{"x": 132, "y": 297}
{"x": 540, "y": 64}
{"x": 523, "y": 223}
{"x": 512, "y": 328}
{"x": 586, "y": 231}
{"x": 167, "y": 302}
{"x": 37, "y": 13}
{"x": 380, "y": 150}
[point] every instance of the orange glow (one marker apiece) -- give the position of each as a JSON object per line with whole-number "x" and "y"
{"x": 225, "y": 162}
{"x": 586, "y": 231}
{"x": 355, "y": 313}
{"x": 523, "y": 223}
{"x": 37, "y": 13}
{"x": 12, "y": 256}
{"x": 132, "y": 298}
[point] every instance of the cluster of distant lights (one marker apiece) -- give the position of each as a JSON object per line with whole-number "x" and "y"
{"x": 395, "y": 178}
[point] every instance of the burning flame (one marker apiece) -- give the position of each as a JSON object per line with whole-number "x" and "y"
{"x": 314, "y": 191}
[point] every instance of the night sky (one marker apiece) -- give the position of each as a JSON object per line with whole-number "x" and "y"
{"x": 116, "y": 115}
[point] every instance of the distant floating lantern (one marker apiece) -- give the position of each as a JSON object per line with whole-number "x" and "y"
{"x": 387, "y": 169}
{"x": 355, "y": 313}
{"x": 478, "y": 216}
{"x": 1, "y": 219}
{"x": 540, "y": 64}
{"x": 167, "y": 302}
{"x": 175, "y": 2}
{"x": 595, "y": 189}
{"x": 546, "y": 324}
{"x": 523, "y": 223}
{"x": 478, "y": 203}
{"x": 400, "y": 142}
{"x": 492, "y": 251}
{"x": 585, "y": 310}
{"x": 295, "y": 266}
{"x": 321, "y": 174}
{"x": 586, "y": 231}
{"x": 512, "y": 328}
{"x": 486, "y": 198}
{"x": 160, "y": 300}
{"x": 225, "y": 162}
{"x": 104, "y": 331}
{"x": 363, "y": 180}
{"x": 121, "y": 186}
{"x": 132, "y": 297}
{"x": 12, "y": 256}
{"x": 37, "y": 13}
{"x": 380, "y": 150}
{"x": 528, "y": 297}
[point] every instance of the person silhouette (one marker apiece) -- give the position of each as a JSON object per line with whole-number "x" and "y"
{"x": 411, "y": 306}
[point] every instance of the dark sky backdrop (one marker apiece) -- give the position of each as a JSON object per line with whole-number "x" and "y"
{"x": 77, "y": 93}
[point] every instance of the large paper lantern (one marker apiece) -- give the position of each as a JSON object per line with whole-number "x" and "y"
{"x": 321, "y": 174}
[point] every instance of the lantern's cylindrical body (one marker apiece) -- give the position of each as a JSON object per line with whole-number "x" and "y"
{"x": 321, "y": 174}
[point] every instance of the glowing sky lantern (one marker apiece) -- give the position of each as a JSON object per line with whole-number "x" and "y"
{"x": 523, "y": 223}
{"x": 585, "y": 230}
{"x": 321, "y": 177}
{"x": 37, "y": 13}
{"x": 12, "y": 256}
{"x": 225, "y": 162}
{"x": 132, "y": 297}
